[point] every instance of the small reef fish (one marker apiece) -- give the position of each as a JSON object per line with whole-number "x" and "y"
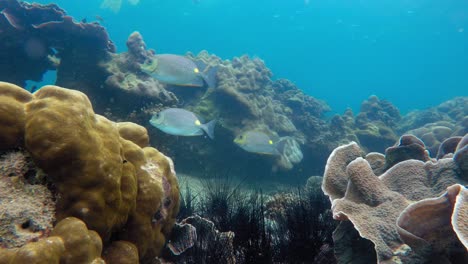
{"x": 114, "y": 5}
{"x": 99, "y": 18}
{"x": 261, "y": 143}
{"x": 179, "y": 70}
{"x": 180, "y": 122}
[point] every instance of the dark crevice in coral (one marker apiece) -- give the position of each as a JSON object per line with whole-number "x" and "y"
{"x": 26, "y": 224}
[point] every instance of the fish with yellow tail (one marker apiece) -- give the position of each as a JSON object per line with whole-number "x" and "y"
{"x": 179, "y": 70}
{"x": 261, "y": 143}
{"x": 181, "y": 122}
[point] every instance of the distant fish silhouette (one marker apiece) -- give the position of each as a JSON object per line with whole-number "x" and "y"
{"x": 114, "y": 5}
{"x": 99, "y": 18}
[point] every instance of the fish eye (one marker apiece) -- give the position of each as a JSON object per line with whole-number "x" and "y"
{"x": 241, "y": 137}
{"x": 148, "y": 61}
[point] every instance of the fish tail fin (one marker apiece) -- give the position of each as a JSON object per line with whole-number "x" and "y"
{"x": 281, "y": 145}
{"x": 209, "y": 128}
{"x": 208, "y": 73}
{"x": 210, "y": 76}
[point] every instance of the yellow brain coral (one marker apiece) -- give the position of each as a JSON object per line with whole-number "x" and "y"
{"x": 104, "y": 172}
{"x": 61, "y": 128}
{"x": 12, "y": 114}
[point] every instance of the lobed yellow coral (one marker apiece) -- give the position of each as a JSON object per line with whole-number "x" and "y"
{"x": 61, "y": 128}
{"x": 12, "y": 114}
{"x": 70, "y": 242}
{"x": 121, "y": 252}
{"x": 104, "y": 172}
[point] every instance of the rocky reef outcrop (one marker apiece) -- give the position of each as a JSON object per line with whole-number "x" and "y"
{"x": 104, "y": 189}
{"x": 43, "y": 37}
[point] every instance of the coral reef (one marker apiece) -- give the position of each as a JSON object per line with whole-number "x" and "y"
{"x": 375, "y": 110}
{"x": 246, "y": 97}
{"x": 434, "y": 125}
{"x": 37, "y": 38}
{"x": 127, "y": 84}
{"x": 373, "y": 204}
{"x": 375, "y": 124}
{"x": 433, "y": 134}
{"x": 451, "y": 111}
{"x": 103, "y": 173}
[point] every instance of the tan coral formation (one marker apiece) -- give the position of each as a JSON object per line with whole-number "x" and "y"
{"x": 104, "y": 173}
{"x": 433, "y": 134}
{"x": 121, "y": 252}
{"x": 447, "y": 214}
{"x": 374, "y": 203}
{"x": 69, "y": 242}
{"x": 459, "y": 216}
{"x": 89, "y": 154}
{"x": 335, "y": 171}
{"x": 461, "y": 156}
{"x": 13, "y": 115}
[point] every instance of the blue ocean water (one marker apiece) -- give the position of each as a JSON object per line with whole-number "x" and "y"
{"x": 413, "y": 53}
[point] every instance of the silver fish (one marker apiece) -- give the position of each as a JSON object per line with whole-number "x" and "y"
{"x": 180, "y": 122}
{"x": 178, "y": 70}
{"x": 259, "y": 142}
